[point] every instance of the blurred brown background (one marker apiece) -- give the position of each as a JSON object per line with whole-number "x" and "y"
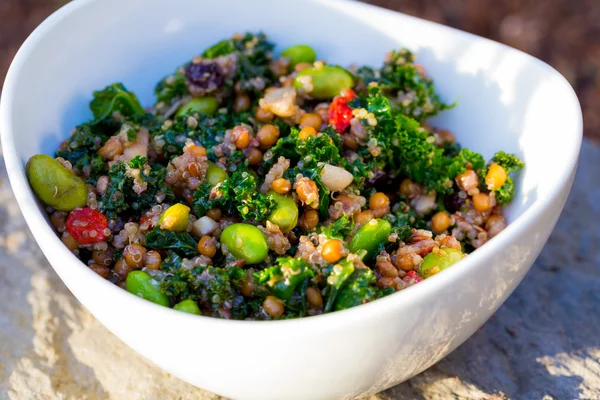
{"x": 564, "y": 33}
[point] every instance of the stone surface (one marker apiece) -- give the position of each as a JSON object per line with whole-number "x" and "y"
{"x": 543, "y": 343}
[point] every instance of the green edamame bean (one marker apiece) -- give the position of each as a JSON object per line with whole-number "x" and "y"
{"x": 246, "y": 242}
{"x": 54, "y": 184}
{"x": 325, "y": 82}
{"x": 285, "y": 214}
{"x": 141, "y": 284}
{"x": 300, "y": 53}
{"x": 215, "y": 174}
{"x": 201, "y": 105}
{"x": 188, "y": 306}
{"x": 370, "y": 236}
{"x": 438, "y": 261}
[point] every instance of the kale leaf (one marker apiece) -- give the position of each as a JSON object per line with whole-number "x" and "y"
{"x": 358, "y": 289}
{"x": 411, "y": 93}
{"x": 339, "y": 229}
{"x": 285, "y": 276}
{"x": 180, "y": 242}
{"x": 112, "y": 98}
{"x": 170, "y": 88}
{"x": 120, "y": 196}
{"x": 511, "y": 164}
{"x": 239, "y": 194}
{"x": 81, "y": 150}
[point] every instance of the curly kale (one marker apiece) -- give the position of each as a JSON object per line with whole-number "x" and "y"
{"x": 206, "y": 133}
{"x": 309, "y": 155}
{"x": 239, "y": 194}
{"x": 358, "y": 289}
{"x": 170, "y": 88}
{"x": 285, "y": 276}
{"x": 410, "y": 93}
{"x": 255, "y": 53}
{"x": 120, "y": 196}
{"x": 511, "y": 164}
{"x": 211, "y": 286}
{"x": 339, "y": 229}
{"x": 113, "y": 98}
{"x": 81, "y": 150}
{"x": 409, "y": 149}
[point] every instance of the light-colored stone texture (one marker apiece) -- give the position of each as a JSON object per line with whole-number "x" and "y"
{"x": 543, "y": 343}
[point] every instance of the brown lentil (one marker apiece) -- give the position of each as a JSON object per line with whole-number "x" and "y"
{"x": 121, "y": 268}
{"x": 152, "y": 260}
{"x": 481, "y": 202}
{"x": 263, "y": 115}
{"x": 333, "y": 250}
{"x": 247, "y": 289}
{"x": 207, "y": 246}
{"x": 241, "y": 102}
{"x": 255, "y": 156}
{"x": 273, "y": 306}
{"x": 103, "y": 257}
{"x": 214, "y": 213}
{"x": 267, "y": 136}
{"x": 363, "y": 217}
{"x": 440, "y": 222}
{"x": 496, "y": 176}
{"x": 281, "y": 185}
{"x": 306, "y": 132}
{"x": 309, "y": 220}
{"x": 312, "y": 120}
{"x": 100, "y": 269}
{"x": 134, "y": 255}
{"x": 314, "y": 297}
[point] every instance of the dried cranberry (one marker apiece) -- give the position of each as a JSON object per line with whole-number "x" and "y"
{"x": 453, "y": 202}
{"x": 205, "y": 76}
{"x": 340, "y": 113}
{"x": 87, "y": 226}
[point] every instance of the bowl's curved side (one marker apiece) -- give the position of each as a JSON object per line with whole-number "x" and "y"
{"x": 342, "y": 354}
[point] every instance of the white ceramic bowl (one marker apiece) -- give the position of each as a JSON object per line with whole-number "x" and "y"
{"x": 507, "y": 100}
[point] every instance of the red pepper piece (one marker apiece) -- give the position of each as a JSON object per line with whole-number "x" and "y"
{"x": 87, "y": 226}
{"x": 340, "y": 113}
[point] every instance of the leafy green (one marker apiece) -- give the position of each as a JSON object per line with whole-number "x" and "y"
{"x": 506, "y": 192}
{"x": 410, "y": 93}
{"x": 221, "y": 48}
{"x": 409, "y": 149}
{"x": 308, "y": 155}
{"x": 212, "y": 286}
{"x": 81, "y": 150}
{"x": 206, "y": 133}
{"x": 357, "y": 290}
{"x": 339, "y": 229}
{"x": 255, "y": 53}
{"x": 336, "y": 278}
{"x": 170, "y": 88}
{"x": 285, "y": 276}
{"x": 120, "y": 196}
{"x": 180, "y": 242}
{"x": 239, "y": 194}
{"x": 112, "y": 98}
{"x": 511, "y": 164}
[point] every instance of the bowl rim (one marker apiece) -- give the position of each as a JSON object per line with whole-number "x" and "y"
{"x": 35, "y": 218}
